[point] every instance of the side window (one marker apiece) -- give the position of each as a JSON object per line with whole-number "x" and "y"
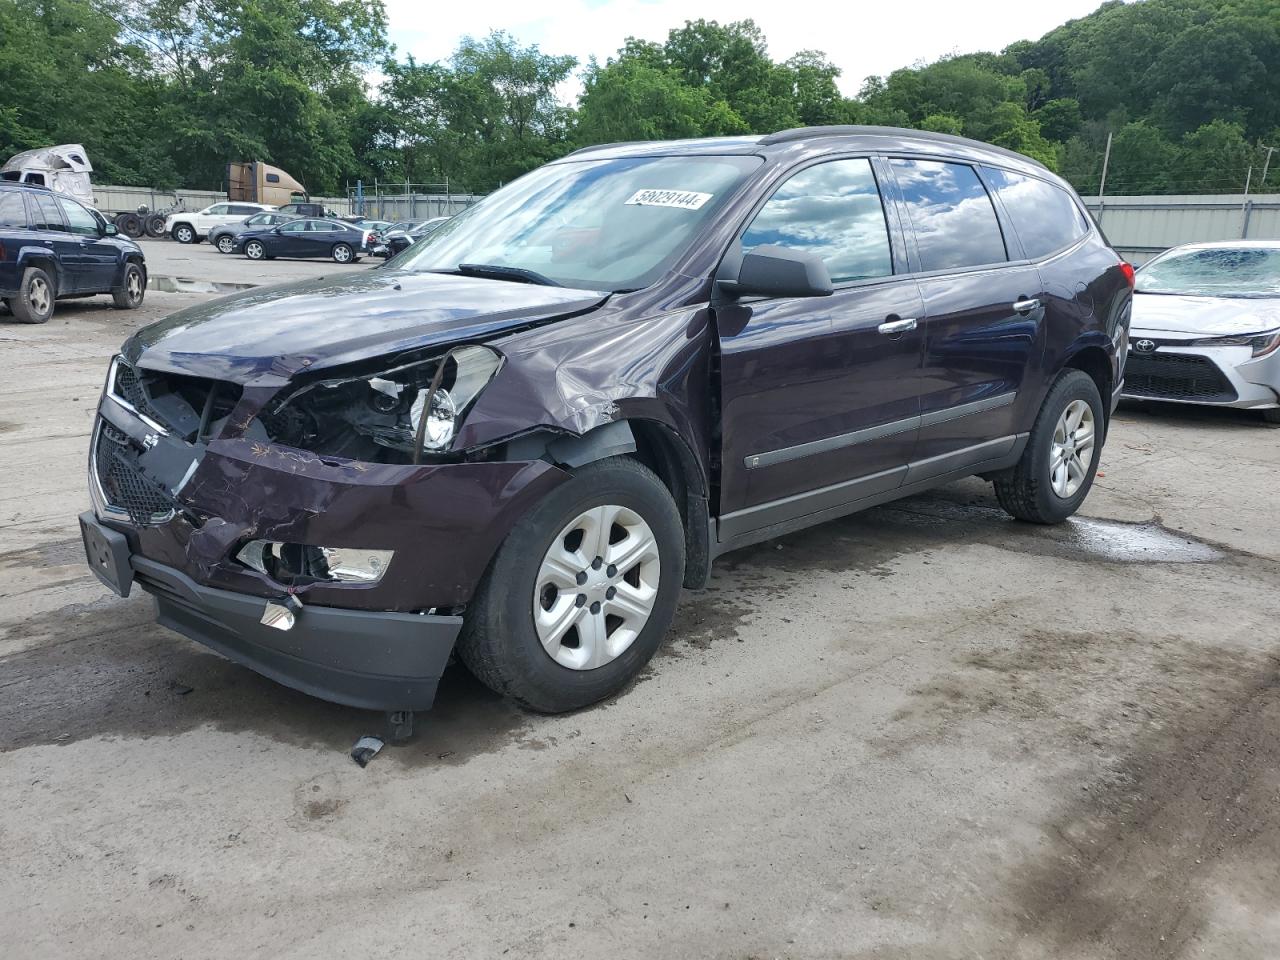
{"x": 295, "y": 226}
{"x": 13, "y": 213}
{"x": 954, "y": 220}
{"x": 833, "y": 210}
{"x": 242, "y": 211}
{"x": 79, "y": 219}
{"x": 273, "y": 178}
{"x": 218, "y": 210}
{"x": 1045, "y": 216}
{"x": 48, "y": 215}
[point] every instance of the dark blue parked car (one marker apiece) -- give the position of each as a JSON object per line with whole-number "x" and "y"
{"x": 531, "y": 429}
{"x": 311, "y": 237}
{"x": 53, "y": 248}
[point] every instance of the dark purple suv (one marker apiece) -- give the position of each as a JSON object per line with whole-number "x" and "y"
{"x": 524, "y": 437}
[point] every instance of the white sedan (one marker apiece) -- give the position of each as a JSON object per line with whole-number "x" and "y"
{"x": 1206, "y": 327}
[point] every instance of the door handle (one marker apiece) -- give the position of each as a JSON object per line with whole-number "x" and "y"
{"x": 891, "y": 327}
{"x": 1026, "y": 306}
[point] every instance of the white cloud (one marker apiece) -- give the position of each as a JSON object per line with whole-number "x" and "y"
{"x": 862, "y": 39}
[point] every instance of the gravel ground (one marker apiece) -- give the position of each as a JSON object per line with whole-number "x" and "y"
{"x": 923, "y": 732}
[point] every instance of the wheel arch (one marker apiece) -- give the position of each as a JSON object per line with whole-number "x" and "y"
{"x": 658, "y": 447}
{"x": 46, "y": 262}
{"x": 1096, "y": 362}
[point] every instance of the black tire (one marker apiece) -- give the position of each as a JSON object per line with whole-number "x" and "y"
{"x": 131, "y": 226}
{"x": 499, "y": 643}
{"x": 1025, "y": 491}
{"x": 1271, "y": 416}
{"x": 226, "y": 243}
{"x": 34, "y": 302}
{"x": 256, "y": 250}
{"x": 154, "y": 225}
{"x": 132, "y": 289}
{"x": 184, "y": 233}
{"x": 342, "y": 253}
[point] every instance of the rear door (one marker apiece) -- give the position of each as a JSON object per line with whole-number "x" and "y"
{"x": 98, "y": 258}
{"x": 819, "y": 396}
{"x": 983, "y": 317}
{"x": 51, "y": 232}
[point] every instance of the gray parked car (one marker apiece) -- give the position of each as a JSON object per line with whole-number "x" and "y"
{"x": 224, "y": 235}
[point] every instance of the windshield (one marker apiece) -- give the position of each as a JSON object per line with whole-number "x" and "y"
{"x": 1215, "y": 272}
{"x": 593, "y": 224}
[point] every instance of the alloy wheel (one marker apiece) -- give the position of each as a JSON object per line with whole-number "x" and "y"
{"x": 342, "y": 253}
{"x": 1072, "y": 449}
{"x": 225, "y": 244}
{"x": 254, "y": 250}
{"x": 596, "y": 587}
{"x": 39, "y": 296}
{"x": 133, "y": 285}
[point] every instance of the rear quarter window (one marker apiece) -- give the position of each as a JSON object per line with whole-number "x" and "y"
{"x": 1045, "y": 216}
{"x": 954, "y": 220}
{"x": 13, "y": 212}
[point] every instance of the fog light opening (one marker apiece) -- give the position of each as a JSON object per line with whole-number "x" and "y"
{"x": 294, "y": 562}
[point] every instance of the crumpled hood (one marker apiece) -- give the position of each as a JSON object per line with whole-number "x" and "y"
{"x": 1204, "y": 316}
{"x": 271, "y": 333}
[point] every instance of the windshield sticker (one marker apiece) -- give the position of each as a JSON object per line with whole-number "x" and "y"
{"x": 684, "y": 199}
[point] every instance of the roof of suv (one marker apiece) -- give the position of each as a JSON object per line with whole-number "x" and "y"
{"x": 842, "y": 137}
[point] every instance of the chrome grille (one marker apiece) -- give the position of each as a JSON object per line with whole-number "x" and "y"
{"x": 121, "y": 482}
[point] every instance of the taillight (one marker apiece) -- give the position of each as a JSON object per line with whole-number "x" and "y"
{"x": 1127, "y": 269}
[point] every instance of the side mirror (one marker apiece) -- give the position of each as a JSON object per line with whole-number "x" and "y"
{"x": 110, "y": 230}
{"x": 773, "y": 271}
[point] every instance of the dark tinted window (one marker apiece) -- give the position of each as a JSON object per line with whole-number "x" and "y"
{"x": 832, "y": 210}
{"x": 243, "y": 210}
{"x": 47, "y": 214}
{"x": 1046, "y": 217}
{"x": 13, "y": 213}
{"x": 79, "y": 219}
{"x": 273, "y": 178}
{"x": 955, "y": 223}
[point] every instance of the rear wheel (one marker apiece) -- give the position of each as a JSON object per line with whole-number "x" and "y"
{"x": 184, "y": 233}
{"x": 128, "y": 296}
{"x": 226, "y": 243}
{"x": 254, "y": 250}
{"x": 1057, "y": 468}
{"x": 154, "y": 225}
{"x": 342, "y": 253}
{"x": 582, "y": 591}
{"x": 34, "y": 302}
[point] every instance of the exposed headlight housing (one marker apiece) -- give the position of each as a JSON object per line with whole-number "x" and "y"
{"x": 1261, "y": 343}
{"x": 410, "y": 409}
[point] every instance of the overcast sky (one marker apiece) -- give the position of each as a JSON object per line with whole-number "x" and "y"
{"x": 862, "y": 39}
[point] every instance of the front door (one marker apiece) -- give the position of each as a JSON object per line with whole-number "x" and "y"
{"x": 983, "y": 317}
{"x": 97, "y": 259}
{"x": 820, "y": 396}
{"x": 291, "y": 240}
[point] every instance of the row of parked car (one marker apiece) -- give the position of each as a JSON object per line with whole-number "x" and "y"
{"x": 263, "y": 232}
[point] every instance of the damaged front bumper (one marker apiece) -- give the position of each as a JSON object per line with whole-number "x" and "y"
{"x": 377, "y": 660}
{"x": 379, "y": 645}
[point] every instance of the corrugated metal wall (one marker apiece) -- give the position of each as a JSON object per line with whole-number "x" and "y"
{"x": 1140, "y": 227}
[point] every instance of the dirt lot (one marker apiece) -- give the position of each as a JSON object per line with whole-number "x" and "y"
{"x": 925, "y": 732}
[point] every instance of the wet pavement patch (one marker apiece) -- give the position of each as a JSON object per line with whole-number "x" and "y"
{"x": 191, "y": 285}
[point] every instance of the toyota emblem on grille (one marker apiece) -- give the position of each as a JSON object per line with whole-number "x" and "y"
{"x": 1145, "y": 346}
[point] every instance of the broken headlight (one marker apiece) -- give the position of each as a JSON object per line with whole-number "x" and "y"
{"x": 407, "y": 410}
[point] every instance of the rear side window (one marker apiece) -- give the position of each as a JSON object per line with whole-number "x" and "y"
{"x": 13, "y": 213}
{"x": 80, "y": 220}
{"x": 242, "y": 210}
{"x": 954, "y": 220}
{"x": 47, "y": 214}
{"x": 832, "y": 210}
{"x": 1045, "y": 216}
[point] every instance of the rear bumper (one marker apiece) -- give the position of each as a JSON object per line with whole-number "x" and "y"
{"x": 362, "y": 658}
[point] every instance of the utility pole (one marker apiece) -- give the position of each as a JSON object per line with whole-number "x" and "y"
{"x": 1265, "y": 165}
{"x": 1102, "y": 184}
{"x": 1244, "y": 207}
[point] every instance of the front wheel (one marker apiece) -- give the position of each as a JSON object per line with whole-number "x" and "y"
{"x": 184, "y": 233}
{"x": 1057, "y": 468}
{"x": 342, "y": 253}
{"x": 226, "y": 243}
{"x": 254, "y": 250}
{"x": 128, "y": 296}
{"x": 582, "y": 591}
